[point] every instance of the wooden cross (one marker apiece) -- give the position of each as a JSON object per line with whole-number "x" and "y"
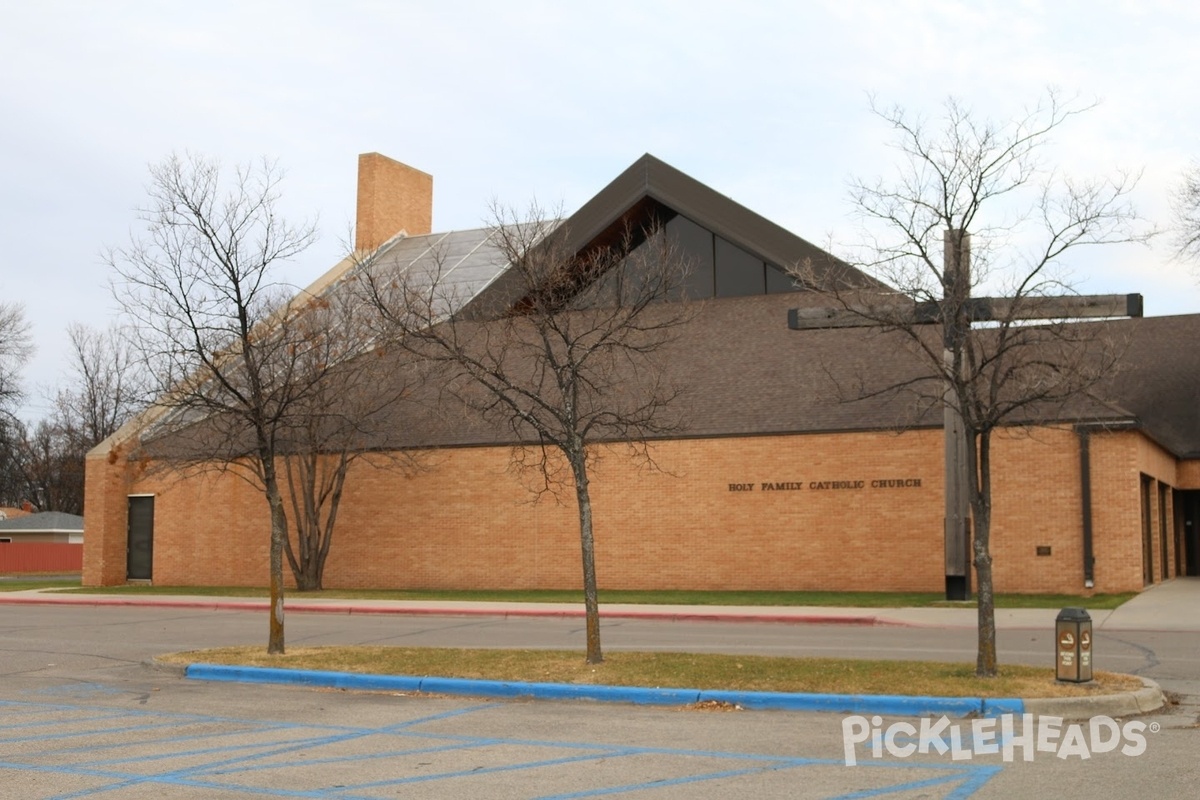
{"x": 971, "y": 309}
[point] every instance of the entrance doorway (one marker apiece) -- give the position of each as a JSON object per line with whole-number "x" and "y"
{"x": 1164, "y": 559}
{"x": 1147, "y": 532}
{"x": 1189, "y": 525}
{"x": 140, "y": 548}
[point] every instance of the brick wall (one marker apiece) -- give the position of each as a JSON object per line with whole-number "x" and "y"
{"x": 109, "y": 478}
{"x": 1188, "y": 475}
{"x": 467, "y": 520}
{"x": 392, "y": 197}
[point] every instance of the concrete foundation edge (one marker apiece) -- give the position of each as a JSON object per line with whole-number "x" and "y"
{"x": 1125, "y": 704}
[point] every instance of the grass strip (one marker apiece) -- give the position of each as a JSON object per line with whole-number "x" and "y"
{"x": 672, "y": 670}
{"x": 24, "y": 584}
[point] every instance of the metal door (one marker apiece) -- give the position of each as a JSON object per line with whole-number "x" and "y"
{"x": 140, "y": 558}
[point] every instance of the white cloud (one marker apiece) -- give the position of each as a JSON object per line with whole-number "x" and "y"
{"x": 766, "y": 102}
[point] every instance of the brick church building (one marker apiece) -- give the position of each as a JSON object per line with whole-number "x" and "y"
{"x": 777, "y": 482}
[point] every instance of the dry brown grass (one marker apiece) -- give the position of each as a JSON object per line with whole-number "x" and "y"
{"x": 679, "y": 670}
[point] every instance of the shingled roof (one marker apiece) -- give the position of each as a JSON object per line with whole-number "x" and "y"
{"x": 44, "y": 522}
{"x": 744, "y": 373}
{"x": 1158, "y": 379}
{"x": 650, "y": 193}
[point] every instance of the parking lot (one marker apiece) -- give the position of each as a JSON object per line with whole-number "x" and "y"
{"x": 85, "y": 740}
{"x": 83, "y": 714}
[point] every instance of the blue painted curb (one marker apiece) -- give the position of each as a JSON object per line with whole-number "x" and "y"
{"x": 303, "y": 677}
{"x": 890, "y": 705}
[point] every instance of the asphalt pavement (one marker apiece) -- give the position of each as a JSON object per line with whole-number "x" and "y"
{"x": 1167, "y": 607}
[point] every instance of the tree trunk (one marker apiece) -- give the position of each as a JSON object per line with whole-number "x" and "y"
{"x": 981, "y": 507}
{"x": 591, "y": 602}
{"x": 315, "y": 492}
{"x": 325, "y": 527}
{"x": 275, "y": 637}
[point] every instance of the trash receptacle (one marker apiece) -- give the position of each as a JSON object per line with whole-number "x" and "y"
{"x": 1073, "y": 645}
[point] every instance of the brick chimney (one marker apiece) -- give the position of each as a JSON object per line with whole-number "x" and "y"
{"x": 392, "y": 197}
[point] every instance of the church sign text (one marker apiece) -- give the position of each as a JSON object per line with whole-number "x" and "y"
{"x": 818, "y": 486}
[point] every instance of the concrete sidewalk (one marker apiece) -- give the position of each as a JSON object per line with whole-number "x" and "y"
{"x": 1171, "y": 606}
{"x": 829, "y": 615}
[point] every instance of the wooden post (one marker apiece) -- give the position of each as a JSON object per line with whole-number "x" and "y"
{"x": 956, "y": 325}
{"x": 955, "y": 312}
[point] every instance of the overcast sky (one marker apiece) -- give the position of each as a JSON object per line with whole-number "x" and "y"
{"x": 765, "y": 102}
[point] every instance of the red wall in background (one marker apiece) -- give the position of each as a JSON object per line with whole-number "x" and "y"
{"x": 40, "y": 557}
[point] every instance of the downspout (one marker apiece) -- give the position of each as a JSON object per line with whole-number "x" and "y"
{"x": 1085, "y": 487}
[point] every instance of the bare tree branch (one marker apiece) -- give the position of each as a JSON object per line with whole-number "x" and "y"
{"x": 214, "y": 328}
{"x": 972, "y": 200}
{"x": 1185, "y": 203}
{"x": 16, "y": 347}
{"x": 572, "y": 365}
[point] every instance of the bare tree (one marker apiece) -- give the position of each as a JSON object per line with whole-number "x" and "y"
{"x": 215, "y": 327}
{"x": 15, "y": 349}
{"x": 568, "y": 364}
{"x": 973, "y": 204}
{"x": 14, "y": 463}
{"x": 102, "y": 392}
{"x": 1185, "y": 203}
{"x": 344, "y": 418}
{"x": 105, "y": 387}
{"x": 51, "y": 463}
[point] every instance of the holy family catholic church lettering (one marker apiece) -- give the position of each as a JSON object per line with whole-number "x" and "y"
{"x": 817, "y": 486}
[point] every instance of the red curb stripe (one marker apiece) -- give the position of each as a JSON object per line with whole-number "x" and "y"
{"x": 697, "y": 616}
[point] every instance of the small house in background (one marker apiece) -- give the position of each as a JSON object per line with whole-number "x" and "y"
{"x": 50, "y": 541}
{"x": 46, "y": 526}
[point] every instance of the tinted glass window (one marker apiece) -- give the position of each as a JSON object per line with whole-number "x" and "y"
{"x": 779, "y": 281}
{"x": 696, "y": 245}
{"x": 738, "y": 272}
{"x": 716, "y": 267}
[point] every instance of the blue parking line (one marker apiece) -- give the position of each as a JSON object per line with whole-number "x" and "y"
{"x": 45, "y": 723}
{"x": 659, "y": 784}
{"x": 350, "y": 735}
{"x": 470, "y": 773}
{"x": 188, "y": 738}
{"x": 230, "y": 762}
{"x": 315, "y": 740}
{"x": 971, "y": 778}
{"x": 127, "y": 781}
{"x": 172, "y": 715}
{"x": 180, "y": 777}
{"x": 312, "y": 762}
{"x": 47, "y": 737}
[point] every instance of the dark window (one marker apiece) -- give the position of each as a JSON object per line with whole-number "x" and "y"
{"x": 601, "y": 293}
{"x": 696, "y": 246}
{"x": 779, "y": 281}
{"x": 738, "y": 273}
{"x": 716, "y": 268}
